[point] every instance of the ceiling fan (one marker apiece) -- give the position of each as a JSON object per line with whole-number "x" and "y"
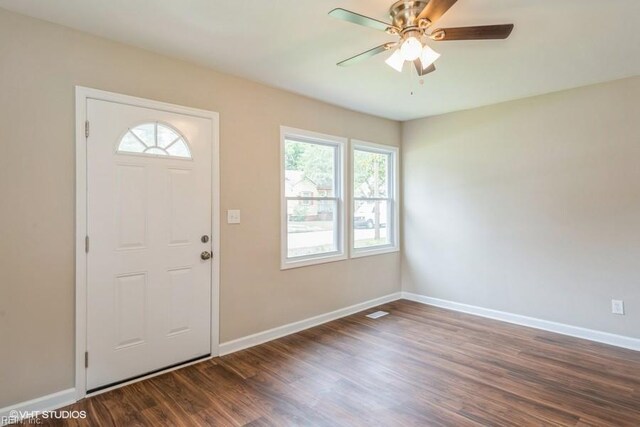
{"x": 412, "y": 22}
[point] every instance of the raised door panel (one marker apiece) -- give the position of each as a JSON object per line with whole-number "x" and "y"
{"x": 130, "y": 307}
{"x": 131, "y": 206}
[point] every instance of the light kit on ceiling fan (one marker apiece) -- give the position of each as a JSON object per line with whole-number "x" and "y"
{"x": 411, "y": 48}
{"x": 428, "y": 56}
{"x": 396, "y": 61}
{"x": 411, "y": 21}
{"x": 413, "y": 52}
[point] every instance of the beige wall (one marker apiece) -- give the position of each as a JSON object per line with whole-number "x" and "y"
{"x": 530, "y": 207}
{"x": 40, "y": 63}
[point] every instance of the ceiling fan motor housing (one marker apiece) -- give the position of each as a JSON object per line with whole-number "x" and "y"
{"x": 404, "y": 15}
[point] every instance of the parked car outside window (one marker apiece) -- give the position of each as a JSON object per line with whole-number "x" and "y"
{"x": 365, "y": 216}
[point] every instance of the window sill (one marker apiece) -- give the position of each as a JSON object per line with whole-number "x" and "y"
{"x": 287, "y": 265}
{"x": 380, "y": 250}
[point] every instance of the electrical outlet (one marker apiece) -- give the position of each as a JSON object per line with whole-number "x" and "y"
{"x": 617, "y": 306}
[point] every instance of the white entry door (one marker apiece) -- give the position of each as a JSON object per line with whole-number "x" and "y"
{"x": 149, "y": 227}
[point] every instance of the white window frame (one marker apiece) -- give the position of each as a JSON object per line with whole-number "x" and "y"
{"x": 393, "y": 224}
{"x": 341, "y": 209}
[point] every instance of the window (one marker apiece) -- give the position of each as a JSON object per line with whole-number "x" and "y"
{"x": 313, "y": 218}
{"x": 154, "y": 139}
{"x": 375, "y": 208}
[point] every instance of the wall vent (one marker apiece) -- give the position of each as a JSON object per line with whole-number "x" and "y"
{"x": 377, "y": 314}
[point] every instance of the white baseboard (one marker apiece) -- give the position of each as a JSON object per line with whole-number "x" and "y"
{"x": 291, "y": 328}
{"x": 532, "y": 322}
{"x": 50, "y": 402}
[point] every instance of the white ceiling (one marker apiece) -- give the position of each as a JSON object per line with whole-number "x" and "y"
{"x": 294, "y": 45}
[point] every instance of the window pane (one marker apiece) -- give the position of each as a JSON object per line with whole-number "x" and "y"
{"x": 156, "y": 151}
{"x": 309, "y": 169}
{"x": 147, "y": 133}
{"x": 371, "y": 223}
{"x": 131, "y": 144}
{"x": 370, "y": 174}
{"x": 311, "y": 227}
{"x": 166, "y": 136}
{"x": 179, "y": 149}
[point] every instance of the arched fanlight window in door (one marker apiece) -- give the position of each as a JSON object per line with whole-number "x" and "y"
{"x": 154, "y": 139}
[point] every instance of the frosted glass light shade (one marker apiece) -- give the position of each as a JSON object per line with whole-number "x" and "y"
{"x": 395, "y": 61}
{"x": 411, "y": 49}
{"x": 428, "y": 56}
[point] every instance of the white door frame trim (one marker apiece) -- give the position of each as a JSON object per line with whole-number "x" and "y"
{"x": 82, "y": 95}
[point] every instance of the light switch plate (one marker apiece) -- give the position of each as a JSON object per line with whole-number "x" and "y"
{"x": 233, "y": 216}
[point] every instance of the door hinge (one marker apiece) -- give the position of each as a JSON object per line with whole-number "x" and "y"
{"x": 86, "y": 359}
{"x": 86, "y": 128}
{"x": 86, "y": 244}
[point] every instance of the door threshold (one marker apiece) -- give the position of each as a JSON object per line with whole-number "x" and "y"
{"x": 112, "y": 386}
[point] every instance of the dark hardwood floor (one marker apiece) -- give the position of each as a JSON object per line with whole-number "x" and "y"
{"x": 418, "y": 366}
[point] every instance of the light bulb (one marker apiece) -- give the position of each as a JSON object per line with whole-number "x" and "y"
{"x": 396, "y": 61}
{"x": 428, "y": 56}
{"x": 411, "y": 48}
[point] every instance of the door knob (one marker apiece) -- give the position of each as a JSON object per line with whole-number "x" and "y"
{"x": 205, "y": 255}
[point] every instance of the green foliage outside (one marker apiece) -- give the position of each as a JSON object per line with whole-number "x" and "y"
{"x": 369, "y": 174}
{"x": 314, "y": 159}
{"x": 370, "y": 169}
{"x": 300, "y": 212}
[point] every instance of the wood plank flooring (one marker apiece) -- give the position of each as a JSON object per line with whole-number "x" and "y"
{"x": 419, "y": 366}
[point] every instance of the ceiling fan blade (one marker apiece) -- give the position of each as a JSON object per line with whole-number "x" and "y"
{"x": 486, "y": 32}
{"x": 435, "y": 9}
{"x": 356, "y": 18}
{"x": 367, "y": 54}
{"x": 430, "y": 69}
